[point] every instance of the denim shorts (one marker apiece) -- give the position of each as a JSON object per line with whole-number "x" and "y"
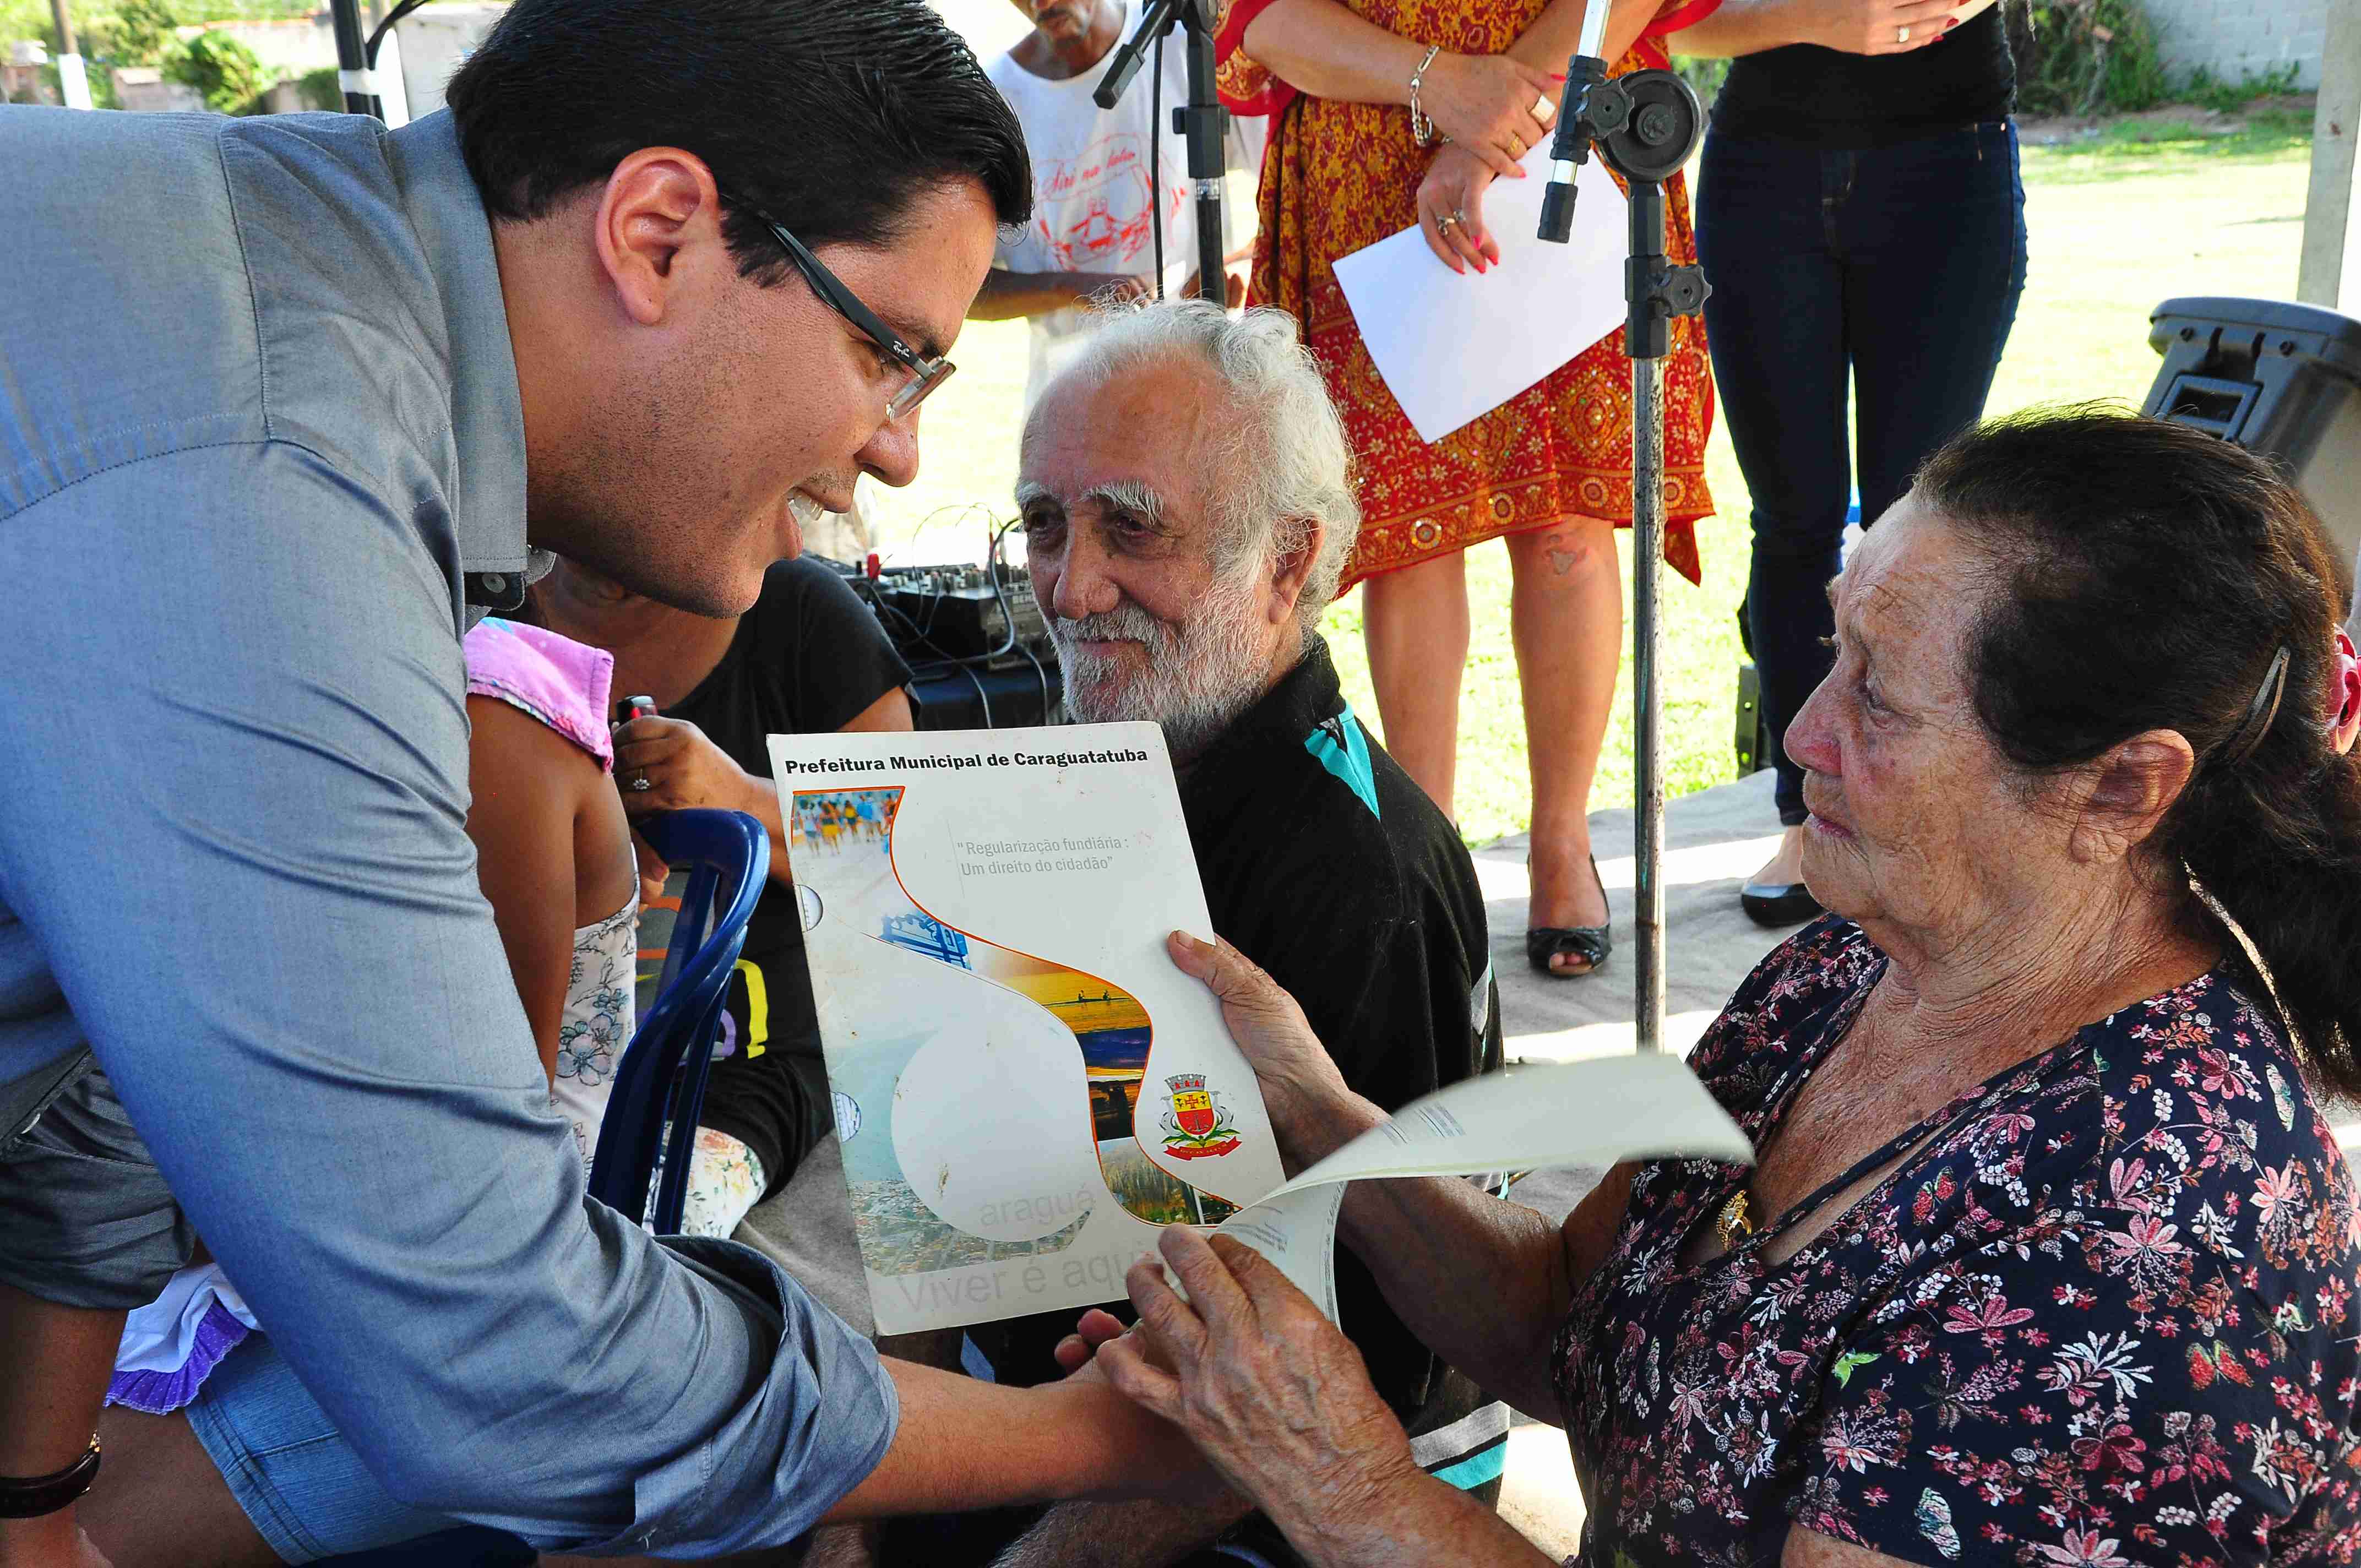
{"x": 291, "y": 1470}
{"x": 85, "y": 1218}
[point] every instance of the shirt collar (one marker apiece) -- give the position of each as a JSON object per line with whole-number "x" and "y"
{"x": 446, "y": 213}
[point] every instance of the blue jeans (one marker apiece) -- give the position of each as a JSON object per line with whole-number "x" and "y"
{"x": 1900, "y": 266}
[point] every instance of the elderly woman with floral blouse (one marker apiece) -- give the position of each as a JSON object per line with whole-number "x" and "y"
{"x": 2049, "y": 1257}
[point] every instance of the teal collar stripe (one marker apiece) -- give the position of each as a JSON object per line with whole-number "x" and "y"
{"x": 1477, "y": 1469}
{"x": 1344, "y": 750}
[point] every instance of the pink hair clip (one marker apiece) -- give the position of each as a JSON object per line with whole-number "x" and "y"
{"x": 2344, "y": 697}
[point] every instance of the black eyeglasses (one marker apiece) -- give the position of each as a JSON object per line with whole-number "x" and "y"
{"x": 926, "y": 374}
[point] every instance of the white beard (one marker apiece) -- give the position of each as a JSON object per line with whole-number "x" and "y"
{"x": 1200, "y": 675}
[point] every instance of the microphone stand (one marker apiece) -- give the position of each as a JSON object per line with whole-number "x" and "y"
{"x": 1201, "y": 122}
{"x": 1643, "y": 126}
{"x": 353, "y": 73}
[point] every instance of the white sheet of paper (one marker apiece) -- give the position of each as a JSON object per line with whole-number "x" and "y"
{"x": 1536, "y": 1118}
{"x": 1453, "y": 347}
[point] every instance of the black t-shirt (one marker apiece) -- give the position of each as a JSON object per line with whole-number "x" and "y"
{"x": 808, "y": 658}
{"x": 1828, "y": 98}
{"x": 1326, "y": 864}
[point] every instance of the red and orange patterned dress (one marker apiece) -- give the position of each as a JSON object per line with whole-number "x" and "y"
{"x": 1336, "y": 177}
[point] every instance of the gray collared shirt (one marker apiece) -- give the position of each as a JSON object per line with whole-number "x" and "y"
{"x": 260, "y": 445}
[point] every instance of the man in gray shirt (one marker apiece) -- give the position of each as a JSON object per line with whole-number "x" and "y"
{"x": 285, "y": 404}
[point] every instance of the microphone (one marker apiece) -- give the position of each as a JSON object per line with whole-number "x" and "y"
{"x": 1158, "y": 20}
{"x": 1570, "y": 144}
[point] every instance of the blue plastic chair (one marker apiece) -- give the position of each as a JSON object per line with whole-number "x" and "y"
{"x": 650, "y": 1120}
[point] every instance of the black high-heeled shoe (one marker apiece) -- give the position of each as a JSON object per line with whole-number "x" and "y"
{"x": 1778, "y": 902}
{"x": 1591, "y": 944}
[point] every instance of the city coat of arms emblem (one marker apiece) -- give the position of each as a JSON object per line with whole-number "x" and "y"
{"x": 1199, "y": 1124}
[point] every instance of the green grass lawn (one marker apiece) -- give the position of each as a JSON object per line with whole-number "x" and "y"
{"x": 2140, "y": 214}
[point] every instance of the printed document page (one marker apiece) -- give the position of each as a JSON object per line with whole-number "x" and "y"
{"x": 1453, "y": 347}
{"x": 1025, "y": 1088}
{"x": 1591, "y": 1114}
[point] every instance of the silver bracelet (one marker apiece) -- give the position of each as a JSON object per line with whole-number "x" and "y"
{"x": 1421, "y": 129}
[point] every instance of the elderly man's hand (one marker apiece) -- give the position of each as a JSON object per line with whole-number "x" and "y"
{"x": 1307, "y": 1099}
{"x": 1233, "y": 289}
{"x": 1261, "y": 1382}
{"x": 1113, "y": 289}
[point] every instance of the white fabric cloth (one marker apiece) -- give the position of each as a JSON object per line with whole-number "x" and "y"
{"x": 1091, "y": 206}
{"x": 161, "y": 1336}
{"x": 596, "y": 1022}
{"x": 725, "y": 1179}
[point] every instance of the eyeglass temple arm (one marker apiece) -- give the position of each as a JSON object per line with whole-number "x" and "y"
{"x": 824, "y": 283}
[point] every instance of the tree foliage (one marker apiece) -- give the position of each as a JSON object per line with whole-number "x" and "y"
{"x": 141, "y": 33}
{"x": 30, "y": 18}
{"x": 225, "y": 72}
{"x": 2085, "y": 57}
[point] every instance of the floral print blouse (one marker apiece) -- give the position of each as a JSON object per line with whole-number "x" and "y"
{"x": 2104, "y": 1317}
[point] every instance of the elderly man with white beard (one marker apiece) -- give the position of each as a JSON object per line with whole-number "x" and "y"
{"x": 1187, "y": 507}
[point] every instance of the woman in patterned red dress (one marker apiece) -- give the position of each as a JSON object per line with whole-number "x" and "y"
{"x": 1550, "y": 469}
{"x": 2048, "y": 1254}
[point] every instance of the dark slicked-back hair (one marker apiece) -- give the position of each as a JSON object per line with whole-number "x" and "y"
{"x": 2148, "y": 577}
{"x": 832, "y": 115}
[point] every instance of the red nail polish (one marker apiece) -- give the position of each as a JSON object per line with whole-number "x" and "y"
{"x": 1951, "y": 22}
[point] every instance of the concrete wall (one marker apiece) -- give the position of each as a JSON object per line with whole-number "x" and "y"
{"x": 286, "y": 47}
{"x": 434, "y": 40}
{"x": 2237, "y": 38}
{"x": 143, "y": 87}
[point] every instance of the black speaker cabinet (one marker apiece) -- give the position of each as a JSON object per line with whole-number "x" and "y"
{"x": 2276, "y": 378}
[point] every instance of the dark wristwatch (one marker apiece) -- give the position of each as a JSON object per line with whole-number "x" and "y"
{"x": 30, "y": 1497}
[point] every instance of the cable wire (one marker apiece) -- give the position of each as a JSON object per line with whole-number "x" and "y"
{"x": 368, "y": 50}
{"x": 1156, "y": 162}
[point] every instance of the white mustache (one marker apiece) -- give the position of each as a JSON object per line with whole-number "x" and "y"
{"x": 1125, "y": 623}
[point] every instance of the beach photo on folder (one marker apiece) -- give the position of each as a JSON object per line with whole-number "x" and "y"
{"x": 1028, "y": 1089}
{"x": 1452, "y": 346}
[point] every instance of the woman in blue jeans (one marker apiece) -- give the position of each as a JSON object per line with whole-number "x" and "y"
{"x": 1858, "y": 216}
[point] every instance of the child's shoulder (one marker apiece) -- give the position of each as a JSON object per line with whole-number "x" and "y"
{"x": 559, "y": 682}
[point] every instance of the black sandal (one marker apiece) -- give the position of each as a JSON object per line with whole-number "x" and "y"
{"x": 1591, "y": 944}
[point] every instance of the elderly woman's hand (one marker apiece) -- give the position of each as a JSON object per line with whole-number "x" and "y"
{"x": 1262, "y": 1383}
{"x": 1311, "y": 1111}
